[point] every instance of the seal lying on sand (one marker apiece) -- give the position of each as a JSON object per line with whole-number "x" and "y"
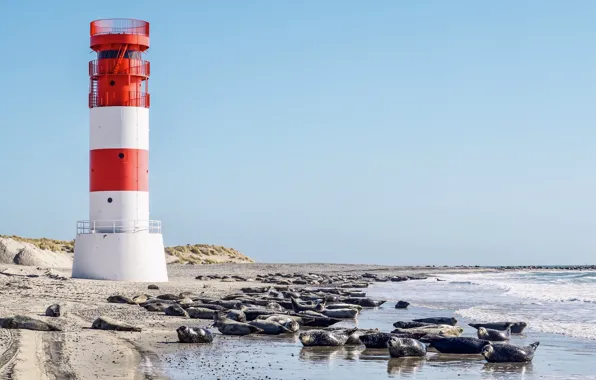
{"x": 376, "y": 340}
{"x": 459, "y": 345}
{"x": 354, "y": 338}
{"x": 107, "y": 323}
{"x": 270, "y": 327}
{"x": 445, "y": 330}
{"x": 509, "y": 353}
{"x": 410, "y": 325}
{"x": 26, "y": 323}
{"x": 194, "y": 335}
{"x": 400, "y": 347}
{"x": 493, "y": 335}
{"x": 227, "y": 326}
{"x": 516, "y": 327}
{"x": 297, "y": 307}
{"x": 438, "y": 320}
{"x": 340, "y": 313}
{"x": 324, "y": 337}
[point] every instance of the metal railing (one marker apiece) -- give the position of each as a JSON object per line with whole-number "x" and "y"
{"x": 119, "y": 26}
{"x": 127, "y": 67}
{"x": 107, "y": 99}
{"x": 118, "y": 226}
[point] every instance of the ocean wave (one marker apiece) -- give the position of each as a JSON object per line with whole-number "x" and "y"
{"x": 584, "y": 330}
{"x": 549, "y": 290}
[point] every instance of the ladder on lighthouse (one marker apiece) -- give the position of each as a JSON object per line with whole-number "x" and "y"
{"x": 121, "y": 52}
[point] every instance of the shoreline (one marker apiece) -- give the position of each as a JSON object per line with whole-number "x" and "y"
{"x": 82, "y": 353}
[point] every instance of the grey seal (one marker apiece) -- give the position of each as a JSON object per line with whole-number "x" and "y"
{"x": 459, "y": 345}
{"x": 176, "y": 310}
{"x": 324, "y": 337}
{"x": 107, "y": 323}
{"x": 438, "y": 320}
{"x": 410, "y": 325}
{"x": 400, "y": 347}
{"x": 493, "y": 335}
{"x": 516, "y": 327}
{"x": 402, "y": 305}
{"x": 376, "y": 340}
{"x": 509, "y": 353}
{"x": 26, "y": 323}
{"x": 341, "y": 313}
{"x": 297, "y": 307}
{"x": 227, "y": 326}
{"x": 270, "y": 327}
{"x": 200, "y": 313}
{"x": 53, "y": 310}
{"x": 194, "y": 335}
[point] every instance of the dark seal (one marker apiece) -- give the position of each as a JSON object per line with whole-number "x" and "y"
{"x": 459, "y": 345}
{"x": 509, "y": 353}
{"x": 194, "y": 335}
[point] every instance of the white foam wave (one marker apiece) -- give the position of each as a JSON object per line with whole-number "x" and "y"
{"x": 566, "y": 290}
{"x": 585, "y": 330}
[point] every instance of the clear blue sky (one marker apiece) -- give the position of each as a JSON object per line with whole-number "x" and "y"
{"x": 390, "y": 132}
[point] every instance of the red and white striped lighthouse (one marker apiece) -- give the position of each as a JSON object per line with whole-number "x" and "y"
{"x": 119, "y": 241}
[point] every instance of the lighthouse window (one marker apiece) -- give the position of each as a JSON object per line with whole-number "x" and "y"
{"x": 132, "y": 54}
{"x": 109, "y": 200}
{"x": 121, "y": 155}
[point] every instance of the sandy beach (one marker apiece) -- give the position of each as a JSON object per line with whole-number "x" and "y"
{"x": 79, "y": 352}
{"x": 82, "y": 353}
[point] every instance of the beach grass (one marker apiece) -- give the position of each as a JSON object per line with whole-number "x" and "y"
{"x": 182, "y": 254}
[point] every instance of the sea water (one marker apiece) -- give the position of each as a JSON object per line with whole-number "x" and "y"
{"x": 559, "y": 307}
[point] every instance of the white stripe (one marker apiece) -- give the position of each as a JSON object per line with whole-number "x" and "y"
{"x": 125, "y": 205}
{"x": 119, "y": 127}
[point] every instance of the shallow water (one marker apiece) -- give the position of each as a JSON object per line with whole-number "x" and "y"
{"x": 490, "y": 298}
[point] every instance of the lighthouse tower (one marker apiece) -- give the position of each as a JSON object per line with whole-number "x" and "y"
{"x": 119, "y": 241}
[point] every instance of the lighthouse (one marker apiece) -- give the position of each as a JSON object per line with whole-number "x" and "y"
{"x": 119, "y": 241}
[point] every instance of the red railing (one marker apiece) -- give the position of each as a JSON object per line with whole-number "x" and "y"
{"x": 119, "y": 26}
{"x": 108, "y": 99}
{"x": 127, "y": 67}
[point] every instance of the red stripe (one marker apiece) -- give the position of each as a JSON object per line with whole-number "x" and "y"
{"x": 119, "y": 170}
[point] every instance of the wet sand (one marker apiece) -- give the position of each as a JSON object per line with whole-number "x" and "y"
{"x": 81, "y": 353}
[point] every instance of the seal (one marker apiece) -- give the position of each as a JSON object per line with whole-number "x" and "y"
{"x": 324, "y": 337}
{"x": 444, "y": 330}
{"x": 229, "y": 327}
{"x": 401, "y": 347}
{"x": 176, "y": 310}
{"x": 297, "y": 307}
{"x": 402, "y": 305}
{"x": 364, "y": 302}
{"x": 53, "y": 310}
{"x": 26, "y": 323}
{"x": 410, "y": 325}
{"x": 200, "y": 313}
{"x": 516, "y": 327}
{"x": 509, "y": 353}
{"x": 493, "y": 335}
{"x": 269, "y": 327}
{"x": 107, "y": 323}
{"x": 354, "y": 338}
{"x": 236, "y": 315}
{"x": 438, "y": 320}
{"x": 340, "y": 313}
{"x": 286, "y": 319}
{"x": 194, "y": 335}
{"x": 459, "y": 345}
{"x": 339, "y": 305}
{"x": 376, "y": 340}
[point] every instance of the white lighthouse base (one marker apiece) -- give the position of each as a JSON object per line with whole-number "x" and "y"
{"x": 136, "y": 256}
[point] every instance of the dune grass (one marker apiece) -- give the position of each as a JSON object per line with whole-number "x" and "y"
{"x": 194, "y": 254}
